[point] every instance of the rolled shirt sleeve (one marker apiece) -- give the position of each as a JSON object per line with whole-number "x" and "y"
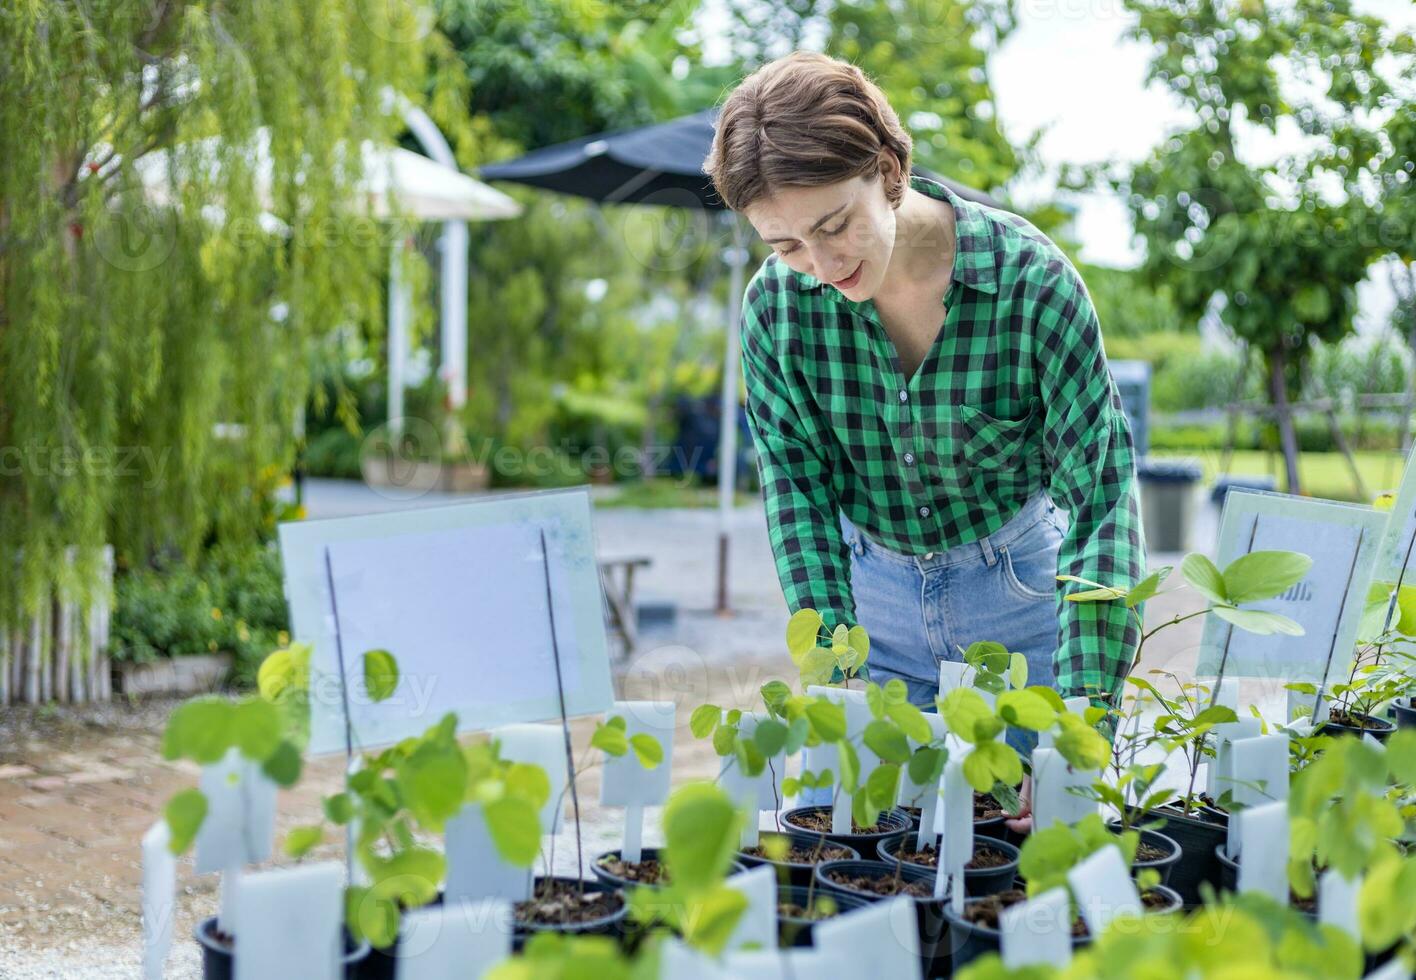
{"x": 1089, "y": 451}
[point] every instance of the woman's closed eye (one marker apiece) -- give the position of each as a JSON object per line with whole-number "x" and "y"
{"x": 828, "y": 232}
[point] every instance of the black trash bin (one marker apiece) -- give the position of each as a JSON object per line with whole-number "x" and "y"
{"x": 1168, "y": 489}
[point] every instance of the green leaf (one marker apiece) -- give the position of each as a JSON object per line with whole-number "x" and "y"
{"x": 529, "y": 782}
{"x": 1104, "y": 594}
{"x": 1204, "y": 577}
{"x": 926, "y": 765}
{"x": 408, "y": 877}
{"x": 886, "y": 741}
{"x": 278, "y": 673}
{"x": 184, "y": 814}
{"x": 1146, "y": 587}
{"x": 849, "y": 762}
{"x": 875, "y": 700}
{"x": 704, "y": 719}
{"x": 991, "y": 762}
{"x": 858, "y": 641}
{"x": 775, "y": 695}
{"x": 339, "y": 808}
{"x": 802, "y": 630}
{"x": 611, "y": 740}
{"x": 648, "y": 750}
{"x": 1018, "y": 670}
{"x": 882, "y": 786}
{"x": 380, "y": 674}
{"x": 770, "y": 736}
{"x": 1025, "y": 709}
{"x": 283, "y": 766}
{"x": 749, "y": 757}
{"x": 370, "y": 917}
{"x": 255, "y": 728}
{"x": 724, "y": 739}
{"x": 433, "y": 782}
{"x": 911, "y": 721}
{"x": 701, "y": 827}
{"x": 817, "y": 666}
{"x": 301, "y": 840}
{"x": 710, "y": 919}
{"x": 968, "y": 715}
{"x": 515, "y": 827}
{"x": 827, "y": 720}
{"x": 1263, "y": 575}
{"x": 1081, "y": 745}
{"x": 1258, "y": 621}
{"x": 200, "y": 730}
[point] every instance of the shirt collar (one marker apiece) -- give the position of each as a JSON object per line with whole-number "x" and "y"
{"x": 975, "y": 262}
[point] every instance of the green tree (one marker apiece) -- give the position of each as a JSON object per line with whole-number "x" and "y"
{"x": 1274, "y": 247}
{"x": 159, "y": 292}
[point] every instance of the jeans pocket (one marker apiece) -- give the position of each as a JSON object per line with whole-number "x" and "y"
{"x": 1030, "y": 562}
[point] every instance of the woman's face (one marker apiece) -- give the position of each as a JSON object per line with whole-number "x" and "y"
{"x": 843, "y": 233}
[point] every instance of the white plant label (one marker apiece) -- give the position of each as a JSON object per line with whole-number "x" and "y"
{"x": 880, "y": 940}
{"x": 159, "y": 898}
{"x": 1259, "y": 769}
{"x": 1218, "y": 774}
{"x": 1038, "y": 932}
{"x": 956, "y": 848}
{"x": 457, "y": 939}
{"x": 679, "y": 961}
{"x": 753, "y": 793}
{"x": 1053, "y": 782}
{"x": 1104, "y": 888}
{"x": 1337, "y": 901}
{"x": 758, "y": 923}
{"x": 240, "y": 823}
{"x": 543, "y": 746}
{"x": 474, "y": 868}
{"x": 857, "y": 717}
{"x": 916, "y": 794}
{"x": 1263, "y": 850}
{"x": 291, "y": 923}
{"x": 626, "y": 782}
{"x": 1301, "y": 706}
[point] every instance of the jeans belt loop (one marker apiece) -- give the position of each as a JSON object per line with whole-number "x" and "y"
{"x": 989, "y": 555}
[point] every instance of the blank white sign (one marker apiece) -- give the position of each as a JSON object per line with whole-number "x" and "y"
{"x": 458, "y": 595}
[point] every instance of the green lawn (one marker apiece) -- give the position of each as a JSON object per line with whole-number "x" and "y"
{"x": 1323, "y": 474}
{"x": 662, "y": 492}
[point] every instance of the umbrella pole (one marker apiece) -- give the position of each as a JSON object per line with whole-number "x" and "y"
{"x": 727, "y": 427}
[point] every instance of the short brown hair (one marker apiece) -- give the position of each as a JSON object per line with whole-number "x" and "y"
{"x": 802, "y": 121}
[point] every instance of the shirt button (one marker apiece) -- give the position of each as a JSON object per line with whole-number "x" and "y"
{"x": 904, "y": 395}
{"x": 924, "y": 512}
{"x": 909, "y": 459}
{"x": 928, "y": 555}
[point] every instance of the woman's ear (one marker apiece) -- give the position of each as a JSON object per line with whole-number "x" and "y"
{"x": 890, "y": 176}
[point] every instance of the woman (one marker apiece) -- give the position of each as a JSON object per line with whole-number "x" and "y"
{"x": 925, "y": 378}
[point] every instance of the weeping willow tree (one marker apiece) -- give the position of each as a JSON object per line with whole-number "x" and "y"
{"x": 180, "y": 223}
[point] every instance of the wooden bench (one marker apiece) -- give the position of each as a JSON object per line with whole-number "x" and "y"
{"x": 617, "y": 582}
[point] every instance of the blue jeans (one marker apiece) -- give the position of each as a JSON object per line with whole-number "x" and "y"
{"x": 920, "y": 610}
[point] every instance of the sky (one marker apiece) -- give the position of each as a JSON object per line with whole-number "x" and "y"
{"x": 1068, "y": 67}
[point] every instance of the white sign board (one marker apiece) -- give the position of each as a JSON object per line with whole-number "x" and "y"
{"x": 459, "y": 939}
{"x": 757, "y": 926}
{"x": 1263, "y": 850}
{"x": 1342, "y": 540}
{"x": 626, "y": 782}
{"x": 474, "y": 868}
{"x": 1053, "y": 784}
{"x": 291, "y": 923}
{"x": 857, "y": 717}
{"x": 240, "y": 823}
{"x": 1337, "y": 901}
{"x": 159, "y": 898}
{"x": 752, "y": 793}
{"x": 1104, "y": 888}
{"x": 543, "y": 746}
{"x": 1218, "y": 774}
{"x": 1038, "y": 932}
{"x": 458, "y": 595}
{"x": 1259, "y": 770}
{"x": 1398, "y": 548}
{"x": 879, "y": 940}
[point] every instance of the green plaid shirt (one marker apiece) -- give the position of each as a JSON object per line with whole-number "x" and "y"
{"x": 1013, "y": 397}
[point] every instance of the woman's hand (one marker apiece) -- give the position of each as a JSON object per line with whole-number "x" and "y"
{"x": 1022, "y": 823}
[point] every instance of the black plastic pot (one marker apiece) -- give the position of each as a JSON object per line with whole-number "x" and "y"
{"x": 890, "y": 822}
{"x": 1378, "y": 728}
{"x": 796, "y": 874}
{"x": 1229, "y": 876}
{"x": 798, "y": 932}
{"x": 610, "y": 925}
{"x": 929, "y": 912}
{"x": 218, "y": 962}
{"x": 967, "y": 941}
{"x": 1197, "y": 837}
{"x": 614, "y": 881}
{"x": 1166, "y": 865}
{"x": 1405, "y": 713}
{"x": 991, "y": 827}
{"x": 977, "y": 881}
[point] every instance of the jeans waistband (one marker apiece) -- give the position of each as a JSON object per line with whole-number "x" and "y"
{"x": 986, "y": 547}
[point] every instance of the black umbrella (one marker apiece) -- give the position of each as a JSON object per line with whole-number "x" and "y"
{"x": 663, "y": 164}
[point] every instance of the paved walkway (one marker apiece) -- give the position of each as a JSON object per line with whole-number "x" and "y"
{"x": 79, "y": 788}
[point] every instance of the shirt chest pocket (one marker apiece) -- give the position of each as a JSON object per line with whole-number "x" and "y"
{"x": 990, "y": 445}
